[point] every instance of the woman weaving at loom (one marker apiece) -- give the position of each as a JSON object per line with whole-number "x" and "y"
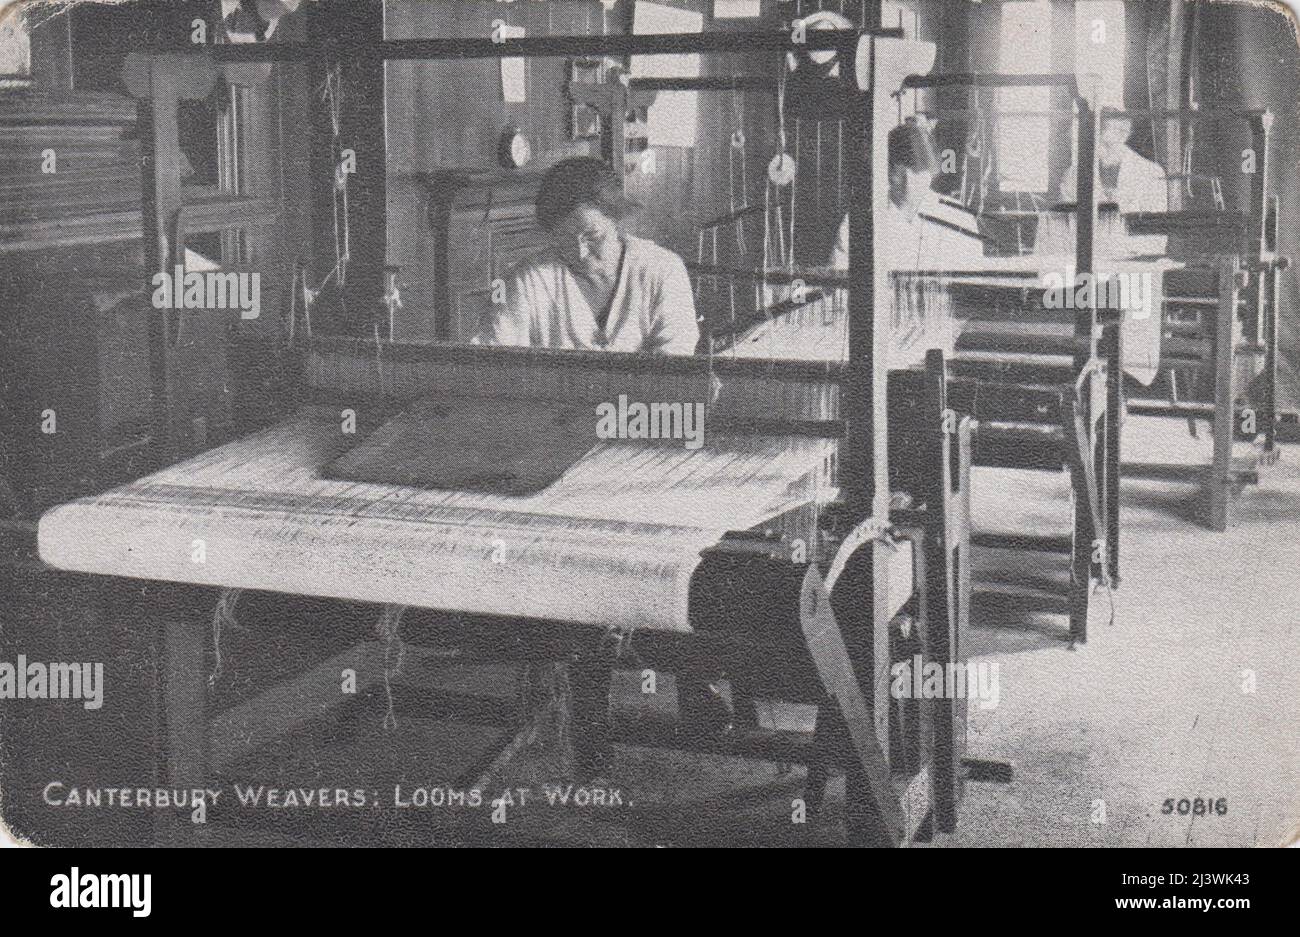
{"x": 913, "y": 164}
{"x": 595, "y": 286}
{"x": 1129, "y": 181}
{"x": 921, "y": 311}
{"x": 1124, "y": 176}
{"x": 905, "y": 234}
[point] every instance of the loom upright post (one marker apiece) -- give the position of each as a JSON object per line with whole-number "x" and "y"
{"x": 159, "y": 83}
{"x": 1257, "y": 219}
{"x": 864, "y": 475}
{"x": 860, "y": 466}
{"x": 153, "y": 200}
{"x": 1085, "y": 331}
{"x": 1271, "y": 284}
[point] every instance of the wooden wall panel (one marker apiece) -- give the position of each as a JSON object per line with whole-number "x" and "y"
{"x": 450, "y": 115}
{"x": 443, "y": 115}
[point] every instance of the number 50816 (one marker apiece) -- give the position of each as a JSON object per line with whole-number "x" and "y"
{"x": 1197, "y": 807}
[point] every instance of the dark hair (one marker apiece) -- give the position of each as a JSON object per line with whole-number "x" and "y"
{"x": 577, "y": 181}
{"x": 912, "y": 147}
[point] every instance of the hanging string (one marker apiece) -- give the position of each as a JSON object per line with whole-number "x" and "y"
{"x": 332, "y": 94}
{"x": 986, "y": 147}
{"x": 293, "y": 301}
{"x": 744, "y": 177}
{"x": 300, "y": 285}
{"x": 780, "y": 232}
{"x": 767, "y": 228}
{"x": 715, "y": 382}
{"x": 1083, "y": 441}
{"x": 389, "y": 628}
{"x": 223, "y": 616}
{"x": 699, "y": 259}
{"x": 738, "y": 144}
{"x": 789, "y": 260}
{"x": 345, "y": 259}
{"x": 620, "y": 639}
{"x": 392, "y": 299}
{"x": 767, "y": 265}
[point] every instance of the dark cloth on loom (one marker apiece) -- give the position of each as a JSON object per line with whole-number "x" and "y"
{"x": 502, "y": 446}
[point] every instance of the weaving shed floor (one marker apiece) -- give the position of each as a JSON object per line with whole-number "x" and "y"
{"x": 1155, "y": 706}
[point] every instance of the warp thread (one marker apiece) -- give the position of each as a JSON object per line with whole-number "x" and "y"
{"x": 547, "y": 691}
{"x": 308, "y": 300}
{"x": 921, "y": 318}
{"x": 620, "y": 640}
{"x": 223, "y": 616}
{"x": 332, "y": 94}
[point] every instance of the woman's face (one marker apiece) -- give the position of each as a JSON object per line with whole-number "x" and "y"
{"x": 588, "y": 241}
{"x": 908, "y": 187}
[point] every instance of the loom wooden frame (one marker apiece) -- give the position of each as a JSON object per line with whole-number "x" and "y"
{"x": 1088, "y": 346}
{"x": 1258, "y": 275}
{"x": 863, "y": 457}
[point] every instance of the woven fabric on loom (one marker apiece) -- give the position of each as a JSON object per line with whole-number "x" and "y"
{"x": 920, "y": 319}
{"x": 922, "y": 314}
{"x": 613, "y": 542}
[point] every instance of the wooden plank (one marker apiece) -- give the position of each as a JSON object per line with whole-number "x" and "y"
{"x": 1173, "y": 91}
{"x": 368, "y": 50}
{"x": 290, "y": 704}
{"x": 835, "y": 668}
{"x": 1218, "y": 486}
{"x": 1272, "y": 287}
{"x": 185, "y": 713}
{"x": 1040, "y": 543}
{"x": 1110, "y": 451}
{"x": 1084, "y": 532}
{"x": 940, "y": 601}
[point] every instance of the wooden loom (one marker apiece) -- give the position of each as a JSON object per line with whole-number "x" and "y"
{"x": 1218, "y": 323}
{"x": 747, "y": 602}
{"x": 1032, "y": 410}
{"x": 1035, "y": 415}
{"x": 1218, "y": 286}
{"x": 1220, "y": 317}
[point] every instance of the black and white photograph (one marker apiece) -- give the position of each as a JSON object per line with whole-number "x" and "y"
{"x": 651, "y": 423}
